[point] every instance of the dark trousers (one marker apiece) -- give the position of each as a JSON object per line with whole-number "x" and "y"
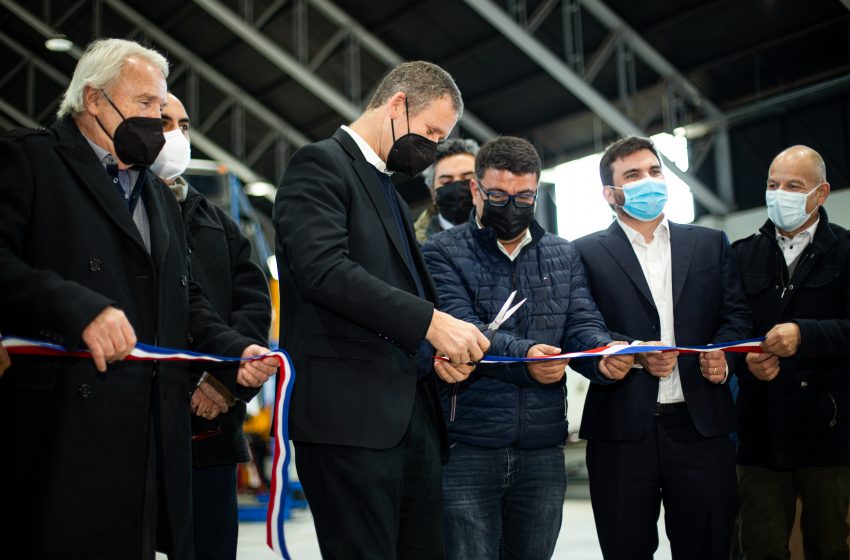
{"x": 215, "y": 517}
{"x": 380, "y": 504}
{"x": 692, "y": 475}
{"x": 768, "y": 505}
{"x": 503, "y": 503}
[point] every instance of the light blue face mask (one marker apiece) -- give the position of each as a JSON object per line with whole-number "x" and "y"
{"x": 645, "y": 199}
{"x": 787, "y": 210}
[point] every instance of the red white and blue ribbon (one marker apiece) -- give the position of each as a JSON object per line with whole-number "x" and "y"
{"x": 280, "y": 479}
{"x": 749, "y": 345}
{"x": 285, "y": 378}
{"x": 280, "y": 467}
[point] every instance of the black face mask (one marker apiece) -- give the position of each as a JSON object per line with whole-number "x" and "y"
{"x": 507, "y": 221}
{"x": 411, "y": 154}
{"x": 455, "y": 201}
{"x": 137, "y": 140}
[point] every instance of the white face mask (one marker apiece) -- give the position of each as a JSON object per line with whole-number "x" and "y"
{"x": 174, "y": 157}
{"x": 787, "y": 210}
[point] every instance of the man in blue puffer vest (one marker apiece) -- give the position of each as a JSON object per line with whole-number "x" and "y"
{"x": 504, "y": 482}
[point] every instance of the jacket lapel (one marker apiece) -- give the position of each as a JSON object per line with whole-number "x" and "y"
{"x": 154, "y": 194}
{"x": 614, "y": 241}
{"x": 682, "y": 242}
{"x": 77, "y": 153}
{"x": 366, "y": 172}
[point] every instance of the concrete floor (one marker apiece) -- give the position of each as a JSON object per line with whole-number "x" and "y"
{"x": 577, "y": 540}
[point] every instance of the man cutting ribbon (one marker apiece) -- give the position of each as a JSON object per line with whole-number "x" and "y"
{"x": 504, "y": 483}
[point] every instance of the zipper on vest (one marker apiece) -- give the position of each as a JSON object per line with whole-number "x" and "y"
{"x": 454, "y": 403}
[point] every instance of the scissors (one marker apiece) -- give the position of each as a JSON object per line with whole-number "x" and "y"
{"x": 504, "y": 314}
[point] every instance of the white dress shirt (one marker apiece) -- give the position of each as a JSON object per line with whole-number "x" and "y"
{"x": 526, "y": 239}
{"x": 368, "y": 153}
{"x": 792, "y": 248}
{"x": 656, "y": 263}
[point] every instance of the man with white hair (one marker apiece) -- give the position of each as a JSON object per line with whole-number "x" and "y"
{"x": 92, "y": 254}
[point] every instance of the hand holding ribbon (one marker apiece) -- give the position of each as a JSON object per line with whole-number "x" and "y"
{"x": 549, "y": 371}
{"x": 616, "y": 367}
{"x": 255, "y": 372}
{"x": 659, "y": 364}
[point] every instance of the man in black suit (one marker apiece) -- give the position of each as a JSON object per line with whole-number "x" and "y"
{"x": 92, "y": 253}
{"x": 662, "y": 432}
{"x": 357, "y": 303}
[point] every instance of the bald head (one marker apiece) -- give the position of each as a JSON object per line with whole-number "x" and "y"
{"x": 803, "y": 159}
{"x": 799, "y": 170}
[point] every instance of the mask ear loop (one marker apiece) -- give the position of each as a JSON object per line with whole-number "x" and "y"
{"x": 117, "y": 110}
{"x": 120, "y": 114}
{"x": 407, "y": 114}
{"x": 392, "y": 121}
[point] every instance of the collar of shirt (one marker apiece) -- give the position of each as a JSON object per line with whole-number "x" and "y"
{"x": 444, "y": 223}
{"x": 368, "y": 153}
{"x": 635, "y": 236}
{"x": 102, "y": 155}
{"x": 522, "y": 243}
{"x": 108, "y": 159}
{"x": 803, "y": 238}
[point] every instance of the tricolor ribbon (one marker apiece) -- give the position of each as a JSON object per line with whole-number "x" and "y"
{"x": 280, "y": 479}
{"x": 749, "y": 345}
{"x": 285, "y": 377}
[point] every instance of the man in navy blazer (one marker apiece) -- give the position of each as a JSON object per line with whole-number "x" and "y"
{"x": 662, "y": 432}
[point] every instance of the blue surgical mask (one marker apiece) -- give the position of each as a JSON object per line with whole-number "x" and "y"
{"x": 645, "y": 199}
{"x": 787, "y": 210}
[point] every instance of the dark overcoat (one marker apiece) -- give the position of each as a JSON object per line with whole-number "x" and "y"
{"x": 76, "y": 441}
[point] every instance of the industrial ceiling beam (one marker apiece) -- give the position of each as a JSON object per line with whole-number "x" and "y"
{"x": 391, "y": 58}
{"x": 251, "y": 104}
{"x": 198, "y": 139}
{"x": 280, "y": 58}
{"x": 588, "y": 95}
{"x": 651, "y": 56}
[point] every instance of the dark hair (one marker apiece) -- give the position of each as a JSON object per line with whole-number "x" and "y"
{"x": 423, "y": 82}
{"x": 451, "y": 147}
{"x": 508, "y": 153}
{"x": 620, "y": 149}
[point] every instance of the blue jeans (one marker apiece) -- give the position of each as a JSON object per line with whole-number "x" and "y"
{"x": 503, "y": 503}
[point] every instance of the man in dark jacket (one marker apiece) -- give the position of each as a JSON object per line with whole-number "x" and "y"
{"x": 92, "y": 253}
{"x": 504, "y": 483}
{"x": 238, "y": 291}
{"x": 356, "y": 305}
{"x": 662, "y": 433}
{"x": 794, "y": 400}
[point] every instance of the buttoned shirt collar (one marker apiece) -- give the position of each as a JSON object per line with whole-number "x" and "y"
{"x": 526, "y": 239}
{"x": 801, "y": 240}
{"x": 633, "y": 235}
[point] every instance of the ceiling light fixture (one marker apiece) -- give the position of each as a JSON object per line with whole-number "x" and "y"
{"x": 58, "y": 43}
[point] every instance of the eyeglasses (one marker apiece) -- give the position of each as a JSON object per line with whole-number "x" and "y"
{"x": 501, "y": 198}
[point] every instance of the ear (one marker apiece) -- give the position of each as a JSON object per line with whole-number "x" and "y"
{"x": 823, "y": 194}
{"x": 473, "y": 186}
{"x": 608, "y": 195}
{"x": 395, "y": 105}
{"x": 91, "y": 100}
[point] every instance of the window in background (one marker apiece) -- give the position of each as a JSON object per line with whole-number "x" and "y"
{"x": 578, "y": 190}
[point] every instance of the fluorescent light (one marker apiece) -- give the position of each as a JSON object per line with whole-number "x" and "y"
{"x": 59, "y": 43}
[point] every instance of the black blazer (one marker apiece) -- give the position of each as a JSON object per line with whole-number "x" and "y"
{"x": 77, "y": 440}
{"x": 351, "y": 318}
{"x": 708, "y": 307}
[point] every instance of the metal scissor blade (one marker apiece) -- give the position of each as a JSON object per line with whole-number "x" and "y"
{"x": 500, "y": 317}
{"x": 510, "y": 312}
